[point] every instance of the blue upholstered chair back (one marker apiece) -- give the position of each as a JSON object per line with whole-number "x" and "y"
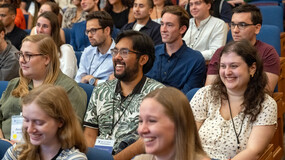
{"x": 4, "y": 145}
{"x": 96, "y": 154}
{"x": 78, "y": 56}
{"x": 88, "y": 89}
{"x": 3, "y": 86}
{"x": 272, "y": 15}
{"x": 67, "y": 33}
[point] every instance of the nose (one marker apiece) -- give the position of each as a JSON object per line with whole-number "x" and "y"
{"x": 143, "y": 128}
{"x": 163, "y": 28}
{"x": 30, "y": 128}
{"x": 235, "y": 29}
{"x": 135, "y": 8}
{"x": 228, "y": 71}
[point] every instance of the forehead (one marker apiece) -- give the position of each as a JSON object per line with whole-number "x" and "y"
{"x": 141, "y": 2}
{"x": 242, "y": 17}
{"x": 43, "y": 20}
{"x": 29, "y": 46}
{"x": 46, "y": 7}
{"x": 231, "y": 57}
{"x": 93, "y": 23}
{"x": 170, "y": 18}
{"x": 125, "y": 43}
{"x": 4, "y": 10}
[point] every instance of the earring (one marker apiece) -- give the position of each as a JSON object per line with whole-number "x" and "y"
{"x": 251, "y": 75}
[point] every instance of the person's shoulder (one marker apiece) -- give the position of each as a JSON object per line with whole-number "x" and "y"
{"x": 72, "y": 154}
{"x": 152, "y": 84}
{"x": 262, "y": 45}
{"x": 217, "y": 20}
{"x": 79, "y": 25}
{"x": 159, "y": 48}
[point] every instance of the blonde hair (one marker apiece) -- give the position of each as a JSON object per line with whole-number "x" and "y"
{"x": 53, "y": 100}
{"x": 48, "y": 48}
{"x": 177, "y": 108}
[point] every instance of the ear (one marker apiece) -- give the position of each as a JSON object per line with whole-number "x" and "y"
{"x": 2, "y": 35}
{"x": 252, "y": 69}
{"x": 182, "y": 29}
{"x": 47, "y": 60}
{"x": 150, "y": 11}
{"x": 107, "y": 30}
{"x": 208, "y": 6}
{"x": 143, "y": 59}
{"x": 257, "y": 28}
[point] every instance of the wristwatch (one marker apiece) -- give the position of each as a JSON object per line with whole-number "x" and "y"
{"x": 92, "y": 81}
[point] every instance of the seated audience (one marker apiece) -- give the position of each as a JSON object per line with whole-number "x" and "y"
{"x": 49, "y": 7}
{"x": 73, "y": 15}
{"x": 39, "y": 64}
{"x": 51, "y": 129}
{"x": 13, "y": 33}
{"x": 205, "y": 33}
{"x": 78, "y": 39}
{"x": 176, "y": 64}
{"x": 20, "y": 21}
{"x": 246, "y": 23}
{"x": 9, "y": 66}
{"x": 96, "y": 63}
{"x": 235, "y": 117}
{"x": 47, "y": 24}
{"x": 167, "y": 126}
{"x": 121, "y": 12}
{"x": 142, "y": 10}
{"x": 113, "y": 110}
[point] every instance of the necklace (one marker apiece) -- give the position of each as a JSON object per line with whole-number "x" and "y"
{"x": 195, "y": 39}
{"x": 237, "y": 134}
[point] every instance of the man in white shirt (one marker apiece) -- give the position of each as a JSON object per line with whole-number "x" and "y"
{"x": 205, "y": 33}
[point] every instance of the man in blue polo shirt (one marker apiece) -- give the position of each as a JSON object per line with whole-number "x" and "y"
{"x": 176, "y": 64}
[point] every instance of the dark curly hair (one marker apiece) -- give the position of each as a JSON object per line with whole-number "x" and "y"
{"x": 254, "y": 94}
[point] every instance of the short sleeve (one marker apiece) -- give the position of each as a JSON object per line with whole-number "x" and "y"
{"x": 268, "y": 113}
{"x": 199, "y": 104}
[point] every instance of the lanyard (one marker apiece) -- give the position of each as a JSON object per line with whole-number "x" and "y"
{"x": 98, "y": 65}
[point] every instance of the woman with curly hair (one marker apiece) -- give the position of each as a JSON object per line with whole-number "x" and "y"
{"x": 235, "y": 117}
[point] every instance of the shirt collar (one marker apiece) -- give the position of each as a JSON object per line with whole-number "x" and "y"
{"x": 137, "y": 88}
{"x": 179, "y": 51}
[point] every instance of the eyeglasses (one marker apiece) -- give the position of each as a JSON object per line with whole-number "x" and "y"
{"x": 197, "y": 3}
{"x": 241, "y": 25}
{"x": 92, "y": 31}
{"x": 123, "y": 52}
{"x": 26, "y": 57}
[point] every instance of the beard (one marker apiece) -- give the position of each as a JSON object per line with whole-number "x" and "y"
{"x": 129, "y": 74}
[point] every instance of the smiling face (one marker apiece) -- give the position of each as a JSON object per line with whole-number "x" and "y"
{"x": 88, "y": 5}
{"x": 43, "y": 26}
{"x": 199, "y": 9}
{"x": 125, "y": 69}
{"x": 234, "y": 72}
{"x": 156, "y": 128}
{"x": 36, "y": 68}
{"x": 41, "y": 128}
{"x": 249, "y": 33}
{"x": 170, "y": 30}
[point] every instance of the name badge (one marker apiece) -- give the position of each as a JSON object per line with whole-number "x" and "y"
{"x": 105, "y": 145}
{"x": 16, "y": 128}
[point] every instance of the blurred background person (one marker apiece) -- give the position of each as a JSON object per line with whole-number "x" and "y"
{"x": 51, "y": 129}
{"x": 73, "y": 14}
{"x": 157, "y": 9}
{"x": 47, "y": 24}
{"x": 167, "y": 126}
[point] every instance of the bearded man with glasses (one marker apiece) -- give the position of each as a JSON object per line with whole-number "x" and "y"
{"x": 113, "y": 111}
{"x": 246, "y": 23}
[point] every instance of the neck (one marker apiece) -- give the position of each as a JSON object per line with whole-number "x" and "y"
{"x": 142, "y": 21}
{"x": 94, "y": 9}
{"x": 49, "y": 151}
{"x": 128, "y": 87}
{"x": 199, "y": 20}
{"x": 105, "y": 46}
{"x": 9, "y": 28}
{"x": 235, "y": 96}
{"x": 37, "y": 83}
{"x": 252, "y": 42}
{"x": 159, "y": 6}
{"x": 3, "y": 46}
{"x": 170, "y": 156}
{"x": 173, "y": 47}
{"x": 118, "y": 7}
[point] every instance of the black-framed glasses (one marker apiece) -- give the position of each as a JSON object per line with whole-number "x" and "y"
{"x": 241, "y": 25}
{"x": 123, "y": 52}
{"x": 27, "y": 56}
{"x": 92, "y": 31}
